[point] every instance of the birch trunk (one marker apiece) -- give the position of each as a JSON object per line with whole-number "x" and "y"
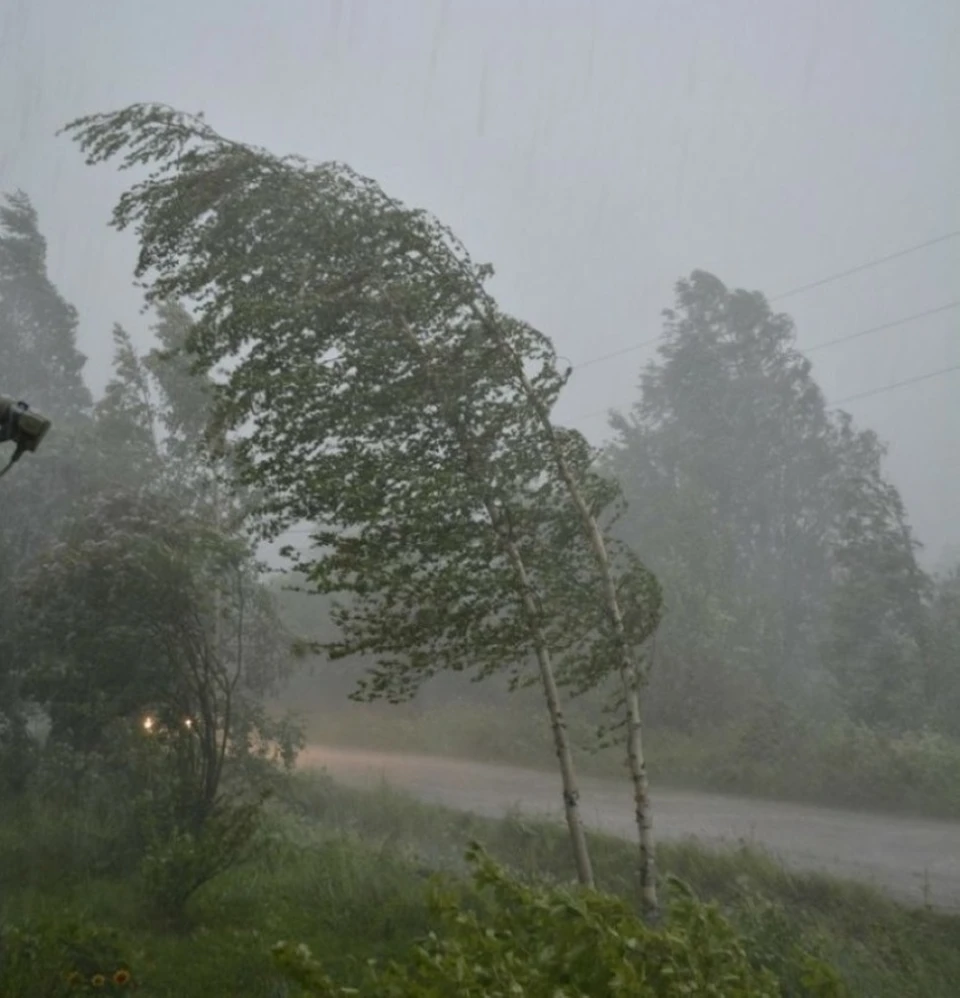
{"x": 501, "y": 525}
{"x": 571, "y": 792}
{"x": 626, "y": 664}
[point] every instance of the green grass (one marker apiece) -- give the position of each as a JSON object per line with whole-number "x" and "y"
{"x": 842, "y": 765}
{"x": 884, "y": 949}
{"x": 346, "y": 871}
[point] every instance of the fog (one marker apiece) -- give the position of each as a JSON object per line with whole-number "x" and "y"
{"x": 593, "y": 151}
{"x": 650, "y": 531}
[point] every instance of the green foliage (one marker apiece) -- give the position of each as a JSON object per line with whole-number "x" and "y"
{"x": 40, "y": 364}
{"x": 883, "y": 949}
{"x": 787, "y": 561}
{"x": 770, "y": 938}
{"x": 125, "y": 416}
{"x": 18, "y": 750}
{"x": 121, "y": 622}
{"x": 842, "y": 764}
{"x": 38, "y": 328}
{"x": 545, "y": 941}
{"x": 178, "y": 861}
{"x": 350, "y": 877}
{"x": 152, "y": 646}
{"x": 400, "y": 422}
{"x": 875, "y": 642}
{"x": 186, "y": 415}
{"x": 943, "y": 652}
{"x": 57, "y": 958}
{"x": 141, "y": 633}
{"x": 385, "y": 397}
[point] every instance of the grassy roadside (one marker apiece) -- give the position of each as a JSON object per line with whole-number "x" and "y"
{"x": 882, "y": 948}
{"x": 347, "y": 870}
{"x": 842, "y": 766}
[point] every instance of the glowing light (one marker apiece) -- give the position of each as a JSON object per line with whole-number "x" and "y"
{"x": 188, "y": 723}
{"x": 148, "y": 723}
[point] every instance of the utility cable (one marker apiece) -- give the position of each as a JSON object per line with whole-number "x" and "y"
{"x": 897, "y": 384}
{"x": 849, "y": 398}
{"x": 817, "y": 346}
{"x": 869, "y": 265}
{"x": 829, "y": 279}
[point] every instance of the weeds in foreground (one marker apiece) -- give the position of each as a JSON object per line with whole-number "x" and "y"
{"x": 349, "y": 873}
{"x": 509, "y": 938}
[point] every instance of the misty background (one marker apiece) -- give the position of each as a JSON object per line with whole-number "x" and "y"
{"x": 593, "y": 151}
{"x": 746, "y": 682}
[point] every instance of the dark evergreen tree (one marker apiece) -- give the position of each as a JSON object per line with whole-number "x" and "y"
{"x": 39, "y": 360}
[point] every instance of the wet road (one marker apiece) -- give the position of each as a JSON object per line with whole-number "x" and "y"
{"x": 916, "y": 860}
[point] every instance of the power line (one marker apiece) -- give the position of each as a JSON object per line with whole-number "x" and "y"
{"x": 897, "y": 384}
{"x": 805, "y": 287}
{"x": 817, "y": 346}
{"x": 865, "y": 266}
{"x": 885, "y": 325}
{"x": 617, "y": 353}
{"x": 849, "y": 398}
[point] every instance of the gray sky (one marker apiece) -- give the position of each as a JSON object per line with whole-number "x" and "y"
{"x": 593, "y": 151}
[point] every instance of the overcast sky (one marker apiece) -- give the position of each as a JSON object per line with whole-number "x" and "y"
{"x": 593, "y": 151}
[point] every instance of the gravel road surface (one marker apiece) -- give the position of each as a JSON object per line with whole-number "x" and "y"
{"x": 916, "y": 860}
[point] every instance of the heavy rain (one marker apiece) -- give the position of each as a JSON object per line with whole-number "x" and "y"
{"x": 479, "y": 488}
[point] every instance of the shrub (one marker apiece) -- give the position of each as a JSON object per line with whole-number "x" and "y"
{"x": 58, "y": 959}
{"x": 179, "y": 861}
{"x": 517, "y": 939}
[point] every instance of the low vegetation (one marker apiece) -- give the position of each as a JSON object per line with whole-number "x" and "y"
{"x": 351, "y": 875}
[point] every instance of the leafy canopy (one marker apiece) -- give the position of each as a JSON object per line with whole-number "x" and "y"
{"x": 352, "y": 340}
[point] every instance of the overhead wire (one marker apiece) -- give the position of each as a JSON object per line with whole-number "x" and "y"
{"x": 869, "y": 265}
{"x": 892, "y": 324}
{"x": 849, "y": 398}
{"x": 817, "y": 346}
{"x": 897, "y": 384}
{"x": 829, "y": 279}
{"x": 884, "y": 325}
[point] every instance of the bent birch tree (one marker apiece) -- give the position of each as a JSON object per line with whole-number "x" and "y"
{"x": 385, "y": 398}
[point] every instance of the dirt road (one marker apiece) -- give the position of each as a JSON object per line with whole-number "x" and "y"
{"x": 914, "y": 859}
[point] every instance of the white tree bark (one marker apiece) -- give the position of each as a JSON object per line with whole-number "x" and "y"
{"x": 501, "y": 527}
{"x": 627, "y": 666}
{"x": 561, "y": 743}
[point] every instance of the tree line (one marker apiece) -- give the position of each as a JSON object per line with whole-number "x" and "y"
{"x": 737, "y": 544}
{"x": 785, "y": 552}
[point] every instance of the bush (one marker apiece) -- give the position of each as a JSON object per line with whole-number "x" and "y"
{"x": 542, "y": 942}
{"x": 51, "y": 959}
{"x": 843, "y": 763}
{"x": 179, "y": 861}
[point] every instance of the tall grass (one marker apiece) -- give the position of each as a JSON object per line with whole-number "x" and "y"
{"x": 347, "y": 871}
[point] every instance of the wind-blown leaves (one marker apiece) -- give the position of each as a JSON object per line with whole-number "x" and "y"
{"x": 383, "y": 396}
{"x": 351, "y": 333}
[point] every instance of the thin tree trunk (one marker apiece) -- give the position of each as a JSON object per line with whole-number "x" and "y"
{"x": 476, "y": 470}
{"x": 641, "y": 803}
{"x": 561, "y": 743}
{"x": 626, "y": 664}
